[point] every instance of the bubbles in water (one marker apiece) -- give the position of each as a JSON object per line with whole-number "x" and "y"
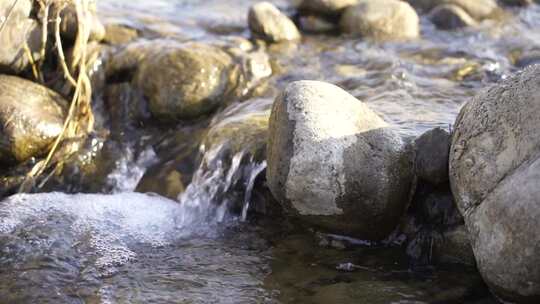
{"x": 62, "y": 248}
{"x": 110, "y": 223}
{"x": 130, "y": 169}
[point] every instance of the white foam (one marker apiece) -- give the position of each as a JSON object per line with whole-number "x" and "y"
{"x": 115, "y": 223}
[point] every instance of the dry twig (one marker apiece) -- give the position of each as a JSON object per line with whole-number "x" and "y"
{"x": 79, "y": 120}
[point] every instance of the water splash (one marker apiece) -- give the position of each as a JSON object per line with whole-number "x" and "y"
{"x": 109, "y": 223}
{"x": 214, "y": 187}
{"x": 256, "y": 169}
{"x": 120, "y": 248}
{"x": 130, "y": 169}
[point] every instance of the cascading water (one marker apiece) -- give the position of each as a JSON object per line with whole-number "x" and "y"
{"x": 122, "y": 247}
{"x": 209, "y": 197}
{"x": 130, "y": 169}
{"x": 100, "y": 245}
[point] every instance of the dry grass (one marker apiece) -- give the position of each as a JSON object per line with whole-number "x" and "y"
{"x": 79, "y": 120}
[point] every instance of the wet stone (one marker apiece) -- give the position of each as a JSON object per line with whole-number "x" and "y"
{"x": 381, "y": 20}
{"x": 477, "y": 9}
{"x": 336, "y": 165}
{"x": 119, "y": 34}
{"x": 494, "y": 174}
{"x": 31, "y": 117}
{"x": 432, "y": 152}
{"x": 268, "y": 23}
{"x": 449, "y": 17}
{"x": 17, "y": 30}
{"x": 326, "y": 7}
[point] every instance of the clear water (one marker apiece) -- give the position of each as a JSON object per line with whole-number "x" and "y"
{"x": 122, "y": 248}
{"x": 137, "y": 248}
{"x": 415, "y": 85}
{"x": 142, "y": 248}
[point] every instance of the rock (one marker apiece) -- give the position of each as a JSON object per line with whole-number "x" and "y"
{"x": 495, "y": 178}
{"x": 432, "y": 149}
{"x": 334, "y": 163}
{"x": 454, "y": 247}
{"x": 477, "y": 9}
{"x": 178, "y": 154}
{"x": 234, "y": 142}
{"x": 317, "y": 24}
{"x": 31, "y": 117}
{"x": 233, "y": 158}
{"x": 381, "y": 20}
{"x": 424, "y": 5}
{"x": 517, "y": 2}
{"x": 185, "y": 81}
{"x": 69, "y": 25}
{"x": 88, "y": 169}
{"x": 218, "y": 73}
{"x": 119, "y": 34}
{"x": 431, "y": 215}
{"x": 326, "y": 7}
{"x": 241, "y": 128}
{"x": 268, "y": 23}
{"x": 528, "y": 58}
{"x": 19, "y": 29}
{"x": 449, "y": 17}
{"x": 168, "y": 183}
{"x": 434, "y": 206}
{"x": 124, "y": 107}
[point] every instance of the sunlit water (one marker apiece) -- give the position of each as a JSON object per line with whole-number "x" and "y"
{"x": 139, "y": 248}
{"x": 58, "y": 248}
{"x": 142, "y": 248}
{"x": 416, "y": 85}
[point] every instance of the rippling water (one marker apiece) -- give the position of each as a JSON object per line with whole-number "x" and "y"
{"x": 137, "y": 248}
{"x": 59, "y": 248}
{"x": 416, "y": 85}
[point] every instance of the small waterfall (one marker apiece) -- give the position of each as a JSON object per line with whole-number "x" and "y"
{"x": 255, "y": 170}
{"x": 217, "y": 187}
{"x": 130, "y": 169}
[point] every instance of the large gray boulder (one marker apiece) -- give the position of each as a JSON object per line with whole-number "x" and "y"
{"x": 268, "y": 23}
{"x": 19, "y": 29}
{"x": 495, "y": 178}
{"x": 334, "y": 163}
{"x": 31, "y": 117}
{"x": 381, "y": 20}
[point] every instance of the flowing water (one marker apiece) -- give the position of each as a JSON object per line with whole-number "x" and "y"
{"x": 126, "y": 247}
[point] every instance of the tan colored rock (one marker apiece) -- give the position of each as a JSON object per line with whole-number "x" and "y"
{"x": 381, "y": 20}
{"x": 268, "y": 23}
{"x": 31, "y": 117}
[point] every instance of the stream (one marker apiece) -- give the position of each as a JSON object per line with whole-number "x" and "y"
{"x": 206, "y": 246}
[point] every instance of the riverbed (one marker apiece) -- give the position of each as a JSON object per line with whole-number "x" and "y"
{"x": 118, "y": 246}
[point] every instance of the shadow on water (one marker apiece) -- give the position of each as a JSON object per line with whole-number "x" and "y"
{"x": 59, "y": 248}
{"x": 142, "y": 248}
